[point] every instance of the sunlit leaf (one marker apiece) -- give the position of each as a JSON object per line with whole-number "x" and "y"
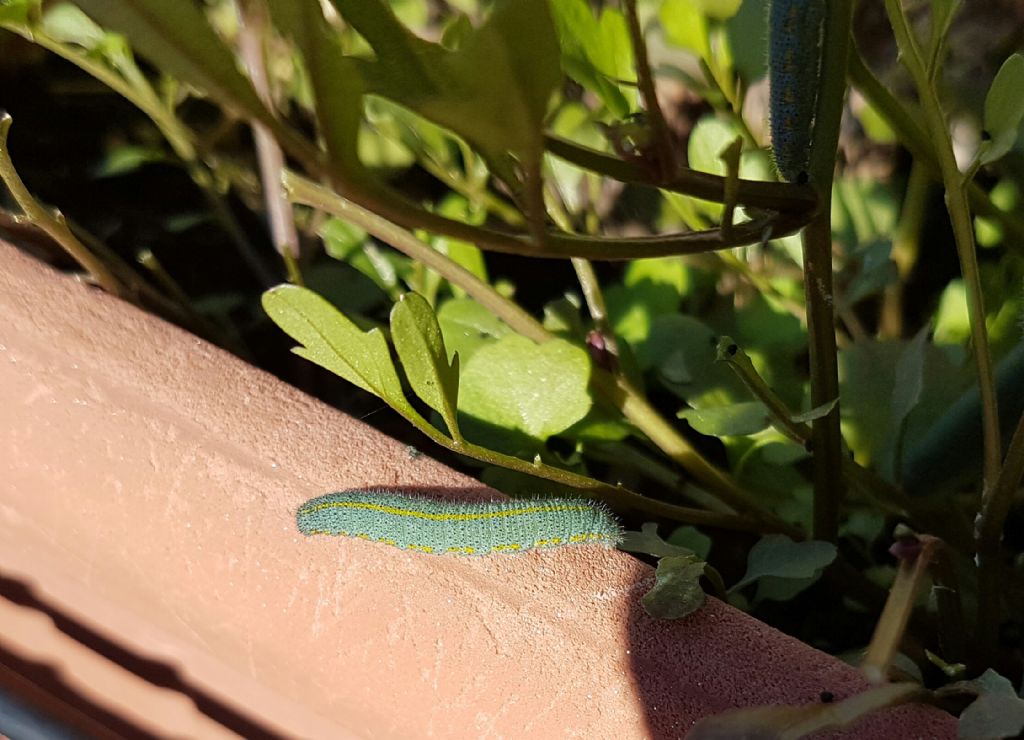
{"x": 418, "y": 341}
{"x": 329, "y": 339}
{"x": 538, "y": 389}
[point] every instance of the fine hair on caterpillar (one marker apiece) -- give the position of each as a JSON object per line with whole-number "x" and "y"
{"x": 795, "y": 31}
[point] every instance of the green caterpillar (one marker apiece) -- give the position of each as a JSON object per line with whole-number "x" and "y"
{"x": 795, "y": 30}
{"x": 458, "y": 528}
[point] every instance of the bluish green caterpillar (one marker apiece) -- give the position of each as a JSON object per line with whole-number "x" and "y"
{"x": 459, "y": 527}
{"x": 795, "y": 30}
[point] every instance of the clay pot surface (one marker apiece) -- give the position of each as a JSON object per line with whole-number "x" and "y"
{"x": 148, "y": 488}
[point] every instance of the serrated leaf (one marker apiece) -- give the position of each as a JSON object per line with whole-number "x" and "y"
{"x": 737, "y": 420}
{"x": 1004, "y": 108}
{"x": 418, "y": 341}
{"x": 178, "y": 38}
{"x": 537, "y": 389}
{"x": 676, "y": 592}
{"x": 778, "y": 556}
{"x": 330, "y": 340}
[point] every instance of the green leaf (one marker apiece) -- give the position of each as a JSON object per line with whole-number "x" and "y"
{"x": 344, "y": 287}
{"x": 1004, "y": 108}
{"x": 128, "y": 158}
{"x": 816, "y": 413}
{"x": 997, "y": 712}
{"x": 906, "y": 390}
{"x": 18, "y": 12}
{"x": 493, "y": 90}
{"x": 650, "y": 288}
{"x": 691, "y": 538}
{"x": 648, "y": 542}
{"x": 337, "y": 87}
{"x": 596, "y": 51}
{"x": 539, "y": 390}
{"x": 737, "y": 420}
{"x": 467, "y": 326}
{"x": 682, "y": 349}
{"x": 68, "y": 24}
{"x": 685, "y": 26}
{"x": 720, "y": 10}
{"x": 177, "y": 37}
{"x": 780, "y": 557}
{"x": 677, "y": 590}
{"x": 341, "y": 238}
{"x": 330, "y": 340}
{"x": 952, "y": 324}
{"x": 417, "y": 338}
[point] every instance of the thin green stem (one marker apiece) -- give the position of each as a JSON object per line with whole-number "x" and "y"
{"x": 800, "y": 201}
{"x": 52, "y": 223}
{"x": 988, "y": 528}
{"x": 906, "y": 244}
{"x": 269, "y": 157}
{"x": 826, "y": 438}
{"x": 963, "y": 234}
{"x": 133, "y": 86}
{"x": 989, "y": 535}
{"x": 913, "y": 136}
{"x": 664, "y": 147}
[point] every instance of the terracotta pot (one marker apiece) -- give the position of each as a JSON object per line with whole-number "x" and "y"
{"x": 149, "y": 557}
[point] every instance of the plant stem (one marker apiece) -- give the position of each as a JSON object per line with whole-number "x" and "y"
{"x": 135, "y": 88}
{"x": 52, "y": 223}
{"x": 269, "y": 157}
{"x": 905, "y": 247}
{"x": 797, "y": 200}
{"x": 995, "y": 497}
{"x": 664, "y": 147}
{"x": 916, "y": 140}
{"x": 963, "y": 234}
{"x": 826, "y": 437}
{"x": 988, "y": 536}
